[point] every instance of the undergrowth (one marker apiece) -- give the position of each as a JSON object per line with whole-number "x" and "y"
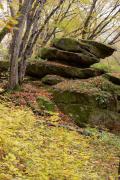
{"x": 30, "y": 149}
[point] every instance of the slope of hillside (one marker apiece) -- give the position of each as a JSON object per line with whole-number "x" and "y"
{"x": 42, "y": 148}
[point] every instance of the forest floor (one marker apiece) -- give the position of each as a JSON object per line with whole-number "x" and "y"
{"x": 40, "y": 145}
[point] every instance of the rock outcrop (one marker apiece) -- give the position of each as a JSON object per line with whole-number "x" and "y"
{"x": 86, "y": 47}
{"x": 86, "y": 94}
{"x": 93, "y": 101}
{"x": 39, "y": 69}
{"x": 69, "y": 58}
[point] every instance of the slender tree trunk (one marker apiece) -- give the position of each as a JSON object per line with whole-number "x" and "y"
{"x": 22, "y": 70}
{"x": 16, "y": 43}
{"x": 29, "y": 45}
{"x": 87, "y": 21}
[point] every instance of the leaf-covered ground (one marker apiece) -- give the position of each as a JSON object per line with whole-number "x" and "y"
{"x": 32, "y": 150}
{"x": 38, "y": 148}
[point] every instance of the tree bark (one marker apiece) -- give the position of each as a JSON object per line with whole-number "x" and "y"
{"x": 28, "y": 48}
{"x": 86, "y": 23}
{"x": 16, "y": 42}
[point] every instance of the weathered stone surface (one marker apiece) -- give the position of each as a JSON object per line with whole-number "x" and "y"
{"x": 52, "y": 79}
{"x": 113, "y": 77}
{"x": 89, "y": 101}
{"x": 70, "y": 58}
{"x": 41, "y": 68}
{"x": 91, "y": 48}
{"x": 71, "y": 45}
{"x": 99, "y": 49}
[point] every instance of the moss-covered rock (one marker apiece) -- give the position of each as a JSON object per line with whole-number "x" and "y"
{"x": 87, "y": 47}
{"x": 45, "y": 104}
{"x": 70, "y": 58}
{"x": 52, "y": 79}
{"x": 41, "y": 68}
{"x": 100, "y": 50}
{"x": 93, "y": 101}
{"x": 71, "y": 45}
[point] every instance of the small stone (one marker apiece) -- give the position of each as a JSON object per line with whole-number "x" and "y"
{"x": 52, "y": 79}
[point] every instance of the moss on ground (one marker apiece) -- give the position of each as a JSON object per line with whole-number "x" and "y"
{"x": 32, "y": 150}
{"x": 45, "y": 104}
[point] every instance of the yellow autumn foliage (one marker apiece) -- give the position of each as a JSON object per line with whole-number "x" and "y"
{"x": 32, "y": 150}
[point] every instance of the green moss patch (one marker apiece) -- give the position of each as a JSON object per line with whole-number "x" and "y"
{"x": 45, "y": 104}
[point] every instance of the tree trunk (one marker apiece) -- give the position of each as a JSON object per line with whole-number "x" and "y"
{"x": 16, "y": 43}
{"x": 22, "y": 70}
{"x": 28, "y": 44}
{"x": 87, "y": 21}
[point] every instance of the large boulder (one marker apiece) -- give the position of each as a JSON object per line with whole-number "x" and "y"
{"x": 41, "y": 68}
{"x": 87, "y": 47}
{"x": 89, "y": 102}
{"x": 70, "y": 58}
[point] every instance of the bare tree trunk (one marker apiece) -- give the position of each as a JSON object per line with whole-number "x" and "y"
{"x": 86, "y": 23}
{"x": 22, "y": 70}
{"x": 115, "y": 39}
{"x": 28, "y": 48}
{"x": 16, "y": 42}
{"x": 31, "y": 27}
